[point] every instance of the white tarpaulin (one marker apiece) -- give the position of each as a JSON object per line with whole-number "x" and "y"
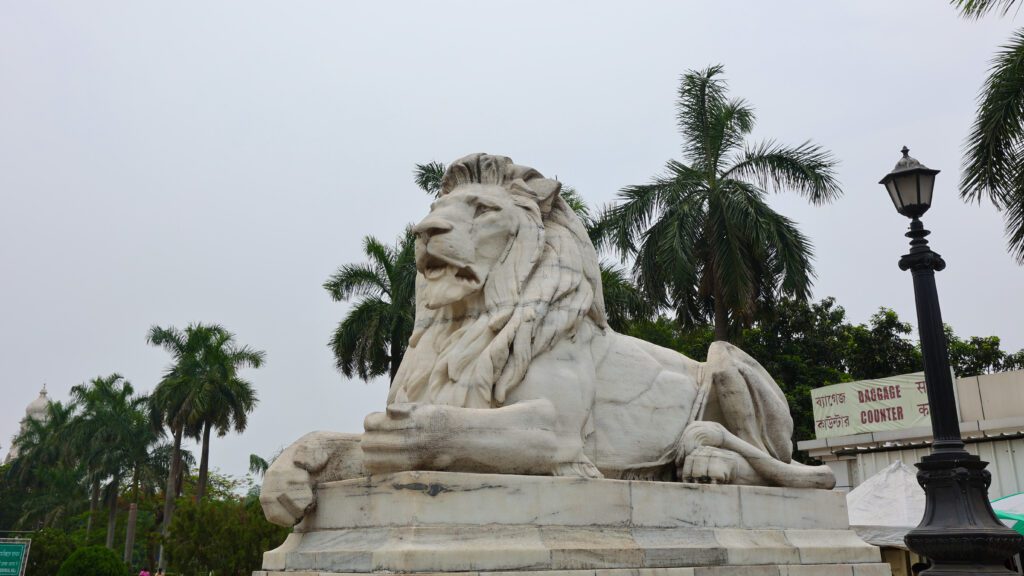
{"x": 886, "y": 506}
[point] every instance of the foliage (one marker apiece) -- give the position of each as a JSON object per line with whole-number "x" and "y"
{"x": 693, "y": 341}
{"x": 93, "y": 561}
{"x": 46, "y": 472}
{"x": 258, "y": 465}
{"x": 705, "y": 242}
{"x": 371, "y": 340}
{"x": 979, "y": 8}
{"x": 227, "y": 537}
{"x": 204, "y": 391}
{"x": 882, "y": 349}
{"x": 979, "y": 355}
{"x": 428, "y": 177}
{"x": 624, "y": 304}
{"x": 803, "y": 346}
{"x": 49, "y": 549}
{"x": 993, "y": 166}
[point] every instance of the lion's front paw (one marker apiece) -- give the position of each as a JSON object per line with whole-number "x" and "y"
{"x": 287, "y": 493}
{"x": 406, "y": 437}
{"x": 709, "y": 465}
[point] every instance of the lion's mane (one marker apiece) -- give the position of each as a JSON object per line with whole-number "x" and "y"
{"x": 545, "y": 285}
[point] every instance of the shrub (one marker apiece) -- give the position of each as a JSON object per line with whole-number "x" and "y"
{"x": 93, "y": 561}
{"x": 49, "y": 549}
{"x": 227, "y": 537}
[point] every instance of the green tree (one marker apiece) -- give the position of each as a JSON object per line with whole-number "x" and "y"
{"x": 705, "y": 242}
{"x": 428, "y": 177}
{"x": 803, "y": 346}
{"x": 46, "y": 474}
{"x": 205, "y": 391}
{"x": 371, "y": 340}
{"x": 49, "y": 549}
{"x": 112, "y": 435}
{"x": 225, "y": 536}
{"x": 624, "y": 303}
{"x": 93, "y": 561}
{"x": 994, "y": 164}
{"x": 173, "y": 405}
{"x": 882, "y": 348}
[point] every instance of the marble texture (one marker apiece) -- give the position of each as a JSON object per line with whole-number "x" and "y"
{"x": 513, "y": 369}
{"x": 433, "y": 522}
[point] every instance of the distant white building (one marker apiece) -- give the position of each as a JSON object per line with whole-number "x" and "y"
{"x": 35, "y": 410}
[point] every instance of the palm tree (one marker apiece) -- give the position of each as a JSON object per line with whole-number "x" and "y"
{"x": 172, "y": 405}
{"x": 202, "y": 391}
{"x": 993, "y": 166}
{"x": 47, "y": 469}
{"x": 111, "y": 435}
{"x": 371, "y": 340}
{"x": 428, "y": 177}
{"x": 705, "y": 242}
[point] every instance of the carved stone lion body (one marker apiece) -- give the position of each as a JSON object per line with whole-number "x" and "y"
{"x": 513, "y": 369}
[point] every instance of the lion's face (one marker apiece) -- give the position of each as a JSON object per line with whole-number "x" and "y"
{"x": 464, "y": 237}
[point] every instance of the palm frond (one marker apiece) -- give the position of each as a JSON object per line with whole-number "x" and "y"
{"x": 428, "y": 177}
{"x": 621, "y": 226}
{"x": 729, "y": 124}
{"x": 360, "y": 343}
{"x": 974, "y": 9}
{"x": 356, "y": 280}
{"x": 807, "y": 169}
{"x": 1013, "y": 218}
{"x": 576, "y": 202}
{"x": 992, "y": 152}
{"x": 701, "y": 94}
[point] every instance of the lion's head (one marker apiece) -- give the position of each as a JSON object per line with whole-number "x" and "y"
{"x": 506, "y": 270}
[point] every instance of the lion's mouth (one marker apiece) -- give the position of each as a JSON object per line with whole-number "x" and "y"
{"x": 434, "y": 267}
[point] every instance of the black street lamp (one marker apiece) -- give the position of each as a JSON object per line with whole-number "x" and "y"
{"x": 959, "y": 532}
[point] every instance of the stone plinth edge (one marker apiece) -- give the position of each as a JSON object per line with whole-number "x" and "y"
{"x": 476, "y": 524}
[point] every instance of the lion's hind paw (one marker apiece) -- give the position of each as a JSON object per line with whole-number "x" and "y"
{"x": 709, "y": 465}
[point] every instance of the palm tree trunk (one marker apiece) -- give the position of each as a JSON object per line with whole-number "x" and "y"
{"x": 170, "y": 492}
{"x": 112, "y": 513}
{"x": 129, "y": 533}
{"x": 94, "y": 503}
{"x": 133, "y": 512}
{"x": 721, "y": 317}
{"x": 396, "y": 361}
{"x": 204, "y": 465}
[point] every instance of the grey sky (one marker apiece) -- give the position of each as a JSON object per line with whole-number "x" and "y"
{"x": 162, "y": 163}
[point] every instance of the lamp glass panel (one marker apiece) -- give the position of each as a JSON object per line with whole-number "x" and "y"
{"x": 927, "y": 182}
{"x": 890, "y": 185}
{"x": 907, "y": 185}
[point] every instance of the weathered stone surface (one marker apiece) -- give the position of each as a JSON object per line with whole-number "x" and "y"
{"x": 764, "y": 570}
{"x": 458, "y": 523}
{"x": 513, "y": 369}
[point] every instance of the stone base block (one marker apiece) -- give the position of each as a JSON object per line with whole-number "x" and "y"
{"x": 874, "y": 569}
{"x": 482, "y": 524}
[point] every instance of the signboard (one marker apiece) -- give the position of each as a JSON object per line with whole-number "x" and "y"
{"x": 13, "y": 556}
{"x": 892, "y": 403}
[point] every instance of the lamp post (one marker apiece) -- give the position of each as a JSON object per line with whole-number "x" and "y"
{"x": 959, "y": 532}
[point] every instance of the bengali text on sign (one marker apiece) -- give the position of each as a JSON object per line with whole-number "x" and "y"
{"x": 892, "y": 403}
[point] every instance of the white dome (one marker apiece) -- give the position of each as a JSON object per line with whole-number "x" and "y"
{"x": 37, "y": 408}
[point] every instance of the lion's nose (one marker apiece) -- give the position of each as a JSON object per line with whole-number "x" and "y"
{"x": 430, "y": 227}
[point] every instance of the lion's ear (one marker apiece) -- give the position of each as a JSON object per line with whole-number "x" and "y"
{"x": 544, "y": 190}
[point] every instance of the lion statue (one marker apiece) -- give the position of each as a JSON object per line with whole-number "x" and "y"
{"x": 512, "y": 368}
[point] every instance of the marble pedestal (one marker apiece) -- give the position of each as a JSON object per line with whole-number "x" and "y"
{"x": 483, "y": 524}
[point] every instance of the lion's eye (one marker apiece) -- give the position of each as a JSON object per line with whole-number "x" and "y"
{"x": 484, "y": 209}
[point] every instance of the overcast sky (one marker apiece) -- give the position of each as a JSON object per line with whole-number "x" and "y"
{"x": 166, "y": 163}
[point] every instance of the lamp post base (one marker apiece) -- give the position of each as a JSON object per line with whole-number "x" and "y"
{"x": 960, "y": 533}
